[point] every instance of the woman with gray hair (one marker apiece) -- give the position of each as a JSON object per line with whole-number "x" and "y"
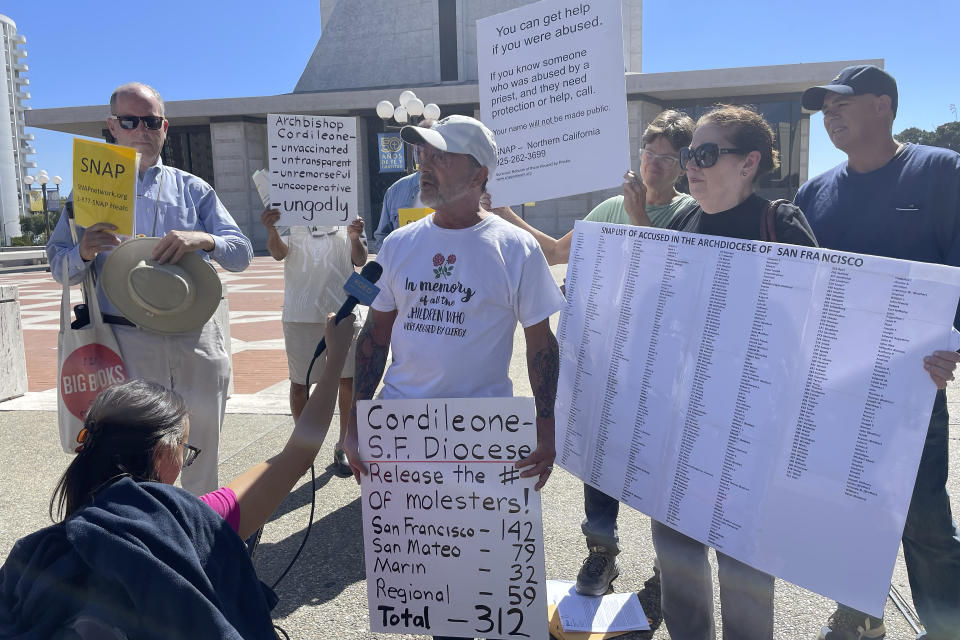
{"x": 648, "y": 199}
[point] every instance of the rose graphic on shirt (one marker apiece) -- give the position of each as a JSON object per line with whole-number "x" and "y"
{"x": 443, "y": 267}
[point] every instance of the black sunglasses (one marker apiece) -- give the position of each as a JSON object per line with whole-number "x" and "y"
{"x": 132, "y": 122}
{"x": 190, "y": 454}
{"x": 706, "y": 155}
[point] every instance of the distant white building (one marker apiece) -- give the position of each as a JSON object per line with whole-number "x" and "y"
{"x": 14, "y": 142}
{"x": 370, "y": 50}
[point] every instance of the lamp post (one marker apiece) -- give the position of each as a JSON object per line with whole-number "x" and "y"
{"x": 409, "y": 110}
{"x": 29, "y": 180}
{"x": 56, "y": 180}
{"x": 43, "y": 178}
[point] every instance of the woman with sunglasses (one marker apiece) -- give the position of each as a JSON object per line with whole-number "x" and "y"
{"x": 135, "y": 557}
{"x": 732, "y": 148}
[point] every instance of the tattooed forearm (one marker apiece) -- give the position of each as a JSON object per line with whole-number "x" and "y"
{"x": 544, "y": 371}
{"x": 371, "y": 361}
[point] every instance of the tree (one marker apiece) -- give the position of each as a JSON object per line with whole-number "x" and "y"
{"x": 914, "y": 135}
{"x": 946, "y": 135}
{"x": 33, "y": 228}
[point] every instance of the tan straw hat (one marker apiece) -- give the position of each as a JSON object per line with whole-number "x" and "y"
{"x": 165, "y": 298}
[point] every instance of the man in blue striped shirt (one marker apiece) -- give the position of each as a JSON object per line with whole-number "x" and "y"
{"x": 185, "y": 212}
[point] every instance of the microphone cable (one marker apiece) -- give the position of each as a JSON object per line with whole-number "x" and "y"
{"x": 306, "y": 535}
{"x": 313, "y": 503}
{"x": 365, "y": 280}
{"x": 313, "y": 493}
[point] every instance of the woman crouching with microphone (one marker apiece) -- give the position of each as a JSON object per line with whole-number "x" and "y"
{"x": 135, "y": 557}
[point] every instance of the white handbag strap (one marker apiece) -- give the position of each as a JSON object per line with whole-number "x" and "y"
{"x": 87, "y": 286}
{"x": 90, "y": 295}
{"x": 65, "y": 300}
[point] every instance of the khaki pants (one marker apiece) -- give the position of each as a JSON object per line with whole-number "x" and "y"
{"x": 195, "y": 365}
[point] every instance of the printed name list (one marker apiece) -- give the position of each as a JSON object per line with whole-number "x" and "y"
{"x": 746, "y": 393}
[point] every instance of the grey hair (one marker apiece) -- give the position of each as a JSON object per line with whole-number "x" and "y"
{"x": 135, "y": 88}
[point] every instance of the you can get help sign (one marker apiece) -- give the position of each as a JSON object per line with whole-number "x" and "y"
{"x": 104, "y": 177}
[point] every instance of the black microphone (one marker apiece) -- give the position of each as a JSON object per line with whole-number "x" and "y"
{"x": 357, "y": 285}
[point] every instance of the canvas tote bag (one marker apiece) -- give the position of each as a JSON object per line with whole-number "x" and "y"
{"x": 88, "y": 362}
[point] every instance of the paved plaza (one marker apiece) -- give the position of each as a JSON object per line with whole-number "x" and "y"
{"x": 259, "y": 361}
{"x": 324, "y": 595}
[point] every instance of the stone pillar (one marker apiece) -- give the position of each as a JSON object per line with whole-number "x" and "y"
{"x": 803, "y": 133}
{"x": 632, "y": 13}
{"x": 13, "y": 359}
{"x": 365, "y": 208}
{"x": 240, "y": 148}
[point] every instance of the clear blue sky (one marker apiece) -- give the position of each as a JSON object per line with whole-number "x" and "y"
{"x": 80, "y": 51}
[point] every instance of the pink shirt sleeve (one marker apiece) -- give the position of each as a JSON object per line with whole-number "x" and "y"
{"x": 224, "y": 502}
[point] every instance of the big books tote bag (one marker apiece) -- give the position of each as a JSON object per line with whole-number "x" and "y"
{"x": 89, "y": 362}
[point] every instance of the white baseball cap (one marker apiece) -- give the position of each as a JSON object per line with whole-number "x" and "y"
{"x": 458, "y": 134}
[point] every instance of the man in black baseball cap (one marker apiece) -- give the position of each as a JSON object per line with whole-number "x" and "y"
{"x": 854, "y": 81}
{"x": 859, "y": 107}
{"x": 901, "y": 201}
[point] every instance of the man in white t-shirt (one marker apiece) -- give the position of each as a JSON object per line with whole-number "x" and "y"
{"x": 454, "y": 286}
{"x": 317, "y": 261}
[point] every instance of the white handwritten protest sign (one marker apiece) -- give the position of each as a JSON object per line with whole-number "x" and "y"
{"x": 313, "y": 162}
{"x": 453, "y": 537}
{"x": 552, "y": 90}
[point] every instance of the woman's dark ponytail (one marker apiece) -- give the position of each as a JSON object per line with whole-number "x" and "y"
{"x": 125, "y": 425}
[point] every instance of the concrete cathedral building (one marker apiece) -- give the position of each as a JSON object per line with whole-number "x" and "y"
{"x": 224, "y": 140}
{"x": 14, "y": 141}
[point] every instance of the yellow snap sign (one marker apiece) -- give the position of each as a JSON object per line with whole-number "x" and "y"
{"x": 104, "y": 179}
{"x": 411, "y": 214}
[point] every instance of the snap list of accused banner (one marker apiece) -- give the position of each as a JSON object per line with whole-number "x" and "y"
{"x": 453, "y": 537}
{"x": 765, "y": 399}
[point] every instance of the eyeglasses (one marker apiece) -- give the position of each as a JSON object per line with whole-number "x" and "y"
{"x": 132, "y": 122}
{"x": 707, "y": 154}
{"x": 424, "y": 153}
{"x": 666, "y": 160}
{"x": 190, "y": 454}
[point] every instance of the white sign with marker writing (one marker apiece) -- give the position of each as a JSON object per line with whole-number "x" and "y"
{"x": 552, "y": 91}
{"x": 453, "y": 537}
{"x": 313, "y": 169}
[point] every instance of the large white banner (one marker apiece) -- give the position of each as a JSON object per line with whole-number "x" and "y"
{"x": 453, "y": 537}
{"x": 313, "y": 169}
{"x": 765, "y": 399}
{"x": 552, "y": 91}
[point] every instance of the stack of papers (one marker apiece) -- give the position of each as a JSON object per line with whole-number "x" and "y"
{"x": 580, "y": 617}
